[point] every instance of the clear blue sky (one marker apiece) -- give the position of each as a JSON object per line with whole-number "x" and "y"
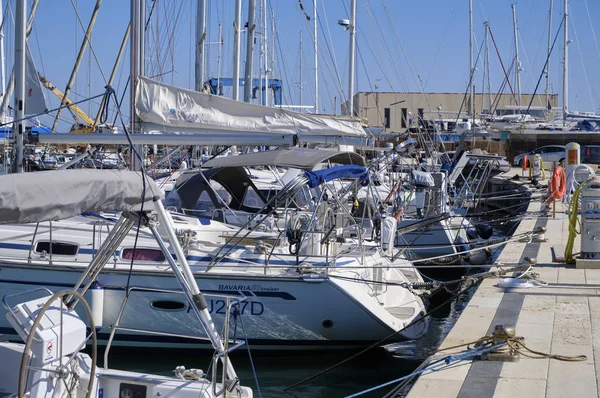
{"x": 402, "y": 45}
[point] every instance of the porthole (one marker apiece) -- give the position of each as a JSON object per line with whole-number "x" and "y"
{"x": 168, "y": 305}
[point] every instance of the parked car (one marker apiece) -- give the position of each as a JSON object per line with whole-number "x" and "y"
{"x": 590, "y": 154}
{"x": 549, "y": 154}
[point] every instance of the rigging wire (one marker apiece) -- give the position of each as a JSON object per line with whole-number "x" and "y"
{"x": 587, "y": 10}
{"x": 444, "y": 36}
{"x": 89, "y": 42}
{"x": 331, "y": 51}
{"x": 379, "y": 40}
{"x": 545, "y": 64}
{"x": 585, "y": 72}
{"x": 539, "y": 99}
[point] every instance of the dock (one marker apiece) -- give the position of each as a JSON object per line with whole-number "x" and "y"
{"x": 558, "y": 318}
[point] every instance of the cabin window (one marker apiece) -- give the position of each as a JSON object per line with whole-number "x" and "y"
{"x": 404, "y": 117}
{"x": 205, "y": 202}
{"x": 58, "y": 248}
{"x": 168, "y": 305}
{"x": 252, "y": 199}
{"x": 143, "y": 254}
{"x": 172, "y": 200}
{"x": 386, "y": 117}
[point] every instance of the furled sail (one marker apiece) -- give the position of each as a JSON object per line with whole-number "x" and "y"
{"x": 171, "y": 109}
{"x": 35, "y": 102}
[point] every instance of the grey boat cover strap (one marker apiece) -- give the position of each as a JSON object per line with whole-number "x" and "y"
{"x": 61, "y": 194}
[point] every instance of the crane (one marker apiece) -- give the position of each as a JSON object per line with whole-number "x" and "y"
{"x": 88, "y": 123}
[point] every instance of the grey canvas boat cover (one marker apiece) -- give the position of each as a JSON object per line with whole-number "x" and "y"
{"x": 58, "y": 195}
{"x": 298, "y": 158}
{"x": 177, "y": 110}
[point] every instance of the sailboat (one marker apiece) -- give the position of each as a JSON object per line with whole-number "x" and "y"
{"x": 54, "y": 324}
{"x": 299, "y": 298}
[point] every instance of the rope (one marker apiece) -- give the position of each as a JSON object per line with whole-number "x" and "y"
{"x": 249, "y": 353}
{"x": 470, "y": 283}
{"x": 436, "y": 366}
{"x": 574, "y": 224}
{"x": 489, "y": 343}
{"x": 517, "y": 344}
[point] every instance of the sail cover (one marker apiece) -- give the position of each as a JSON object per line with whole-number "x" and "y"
{"x": 58, "y": 195}
{"x": 172, "y": 109}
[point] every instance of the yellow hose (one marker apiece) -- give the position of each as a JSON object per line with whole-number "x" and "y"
{"x": 541, "y": 166}
{"x": 574, "y": 224}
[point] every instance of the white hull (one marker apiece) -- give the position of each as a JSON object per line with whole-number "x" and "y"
{"x": 284, "y": 307}
{"x": 441, "y": 239}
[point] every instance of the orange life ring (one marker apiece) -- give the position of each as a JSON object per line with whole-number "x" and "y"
{"x": 525, "y": 163}
{"x": 558, "y": 184}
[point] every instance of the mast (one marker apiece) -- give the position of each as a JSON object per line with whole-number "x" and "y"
{"x": 350, "y": 109}
{"x": 137, "y": 68}
{"x": 471, "y": 67}
{"x": 236, "y": 49}
{"x": 2, "y": 60}
{"x": 489, "y": 76}
{"x": 566, "y": 64}
{"x": 273, "y": 48}
{"x": 11, "y": 80}
{"x": 316, "y": 57}
{"x": 114, "y": 72}
{"x": 19, "y": 124}
{"x": 548, "y": 55}
{"x": 486, "y": 65}
{"x": 84, "y": 44}
{"x": 219, "y": 44}
{"x": 300, "y": 99}
{"x": 517, "y": 62}
{"x": 200, "y": 39}
{"x": 266, "y": 55}
{"x": 249, "y": 52}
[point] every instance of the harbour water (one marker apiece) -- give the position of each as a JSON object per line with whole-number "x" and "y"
{"x": 276, "y": 371}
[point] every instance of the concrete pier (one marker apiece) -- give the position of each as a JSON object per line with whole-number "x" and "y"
{"x": 558, "y": 318}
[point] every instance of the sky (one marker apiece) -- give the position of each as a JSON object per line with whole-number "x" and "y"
{"x": 402, "y": 45}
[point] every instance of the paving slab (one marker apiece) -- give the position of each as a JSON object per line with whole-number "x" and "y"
{"x": 558, "y": 318}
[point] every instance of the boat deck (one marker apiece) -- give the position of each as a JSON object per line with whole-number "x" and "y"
{"x": 558, "y": 318}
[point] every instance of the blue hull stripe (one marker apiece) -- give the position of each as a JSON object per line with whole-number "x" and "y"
{"x": 281, "y": 295}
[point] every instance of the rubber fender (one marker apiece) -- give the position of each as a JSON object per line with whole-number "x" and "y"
{"x": 484, "y": 231}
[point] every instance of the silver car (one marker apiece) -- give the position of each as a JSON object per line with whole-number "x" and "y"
{"x": 549, "y": 154}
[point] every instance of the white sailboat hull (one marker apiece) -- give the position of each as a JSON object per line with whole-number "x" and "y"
{"x": 282, "y": 307}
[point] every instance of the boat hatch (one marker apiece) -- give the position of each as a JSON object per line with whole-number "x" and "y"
{"x": 143, "y": 254}
{"x": 58, "y": 248}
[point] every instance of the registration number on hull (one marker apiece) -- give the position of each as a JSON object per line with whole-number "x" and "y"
{"x": 219, "y": 306}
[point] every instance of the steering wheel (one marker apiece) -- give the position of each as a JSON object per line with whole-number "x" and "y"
{"x": 63, "y": 371}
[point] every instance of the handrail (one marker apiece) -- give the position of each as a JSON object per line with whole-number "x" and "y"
{"x": 10, "y": 311}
